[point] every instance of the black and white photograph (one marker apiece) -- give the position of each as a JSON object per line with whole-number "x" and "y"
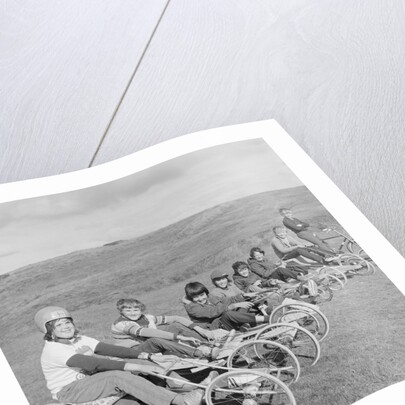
{"x": 216, "y": 277}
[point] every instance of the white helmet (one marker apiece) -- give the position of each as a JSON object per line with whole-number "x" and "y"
{"x": 47, "y": 314}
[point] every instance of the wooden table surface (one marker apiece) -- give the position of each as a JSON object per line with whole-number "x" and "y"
{"x": 86, "y": 82}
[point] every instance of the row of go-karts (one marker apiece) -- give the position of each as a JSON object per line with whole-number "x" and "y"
{"x": 259, "y": 365}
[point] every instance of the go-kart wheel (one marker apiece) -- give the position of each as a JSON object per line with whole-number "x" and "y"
{"x": 334, "y": 271}
{"x": 248, "y": 387}
{"x": 306, "y": 315}
{"x": 299, "y": 340}
{"x": 361, "y": 266}
{"x": 268, "y": 357}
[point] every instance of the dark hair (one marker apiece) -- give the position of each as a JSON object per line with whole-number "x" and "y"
{"x": 278, "y": 227}
{"x": 255, "y": 249}
{"x": 238, "y": 265}
{"x": 130, "y": 302}
{"x": 281, "y": 210}
{"x": 195, "y": 289}
{"x": 50, "y": 326}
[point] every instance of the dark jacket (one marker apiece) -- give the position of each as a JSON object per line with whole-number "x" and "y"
{"x": 244, "y": 283}
{"x": 263, "y": 269}
{"x": 208, "y": 313}
{"x": 295, "y": 224}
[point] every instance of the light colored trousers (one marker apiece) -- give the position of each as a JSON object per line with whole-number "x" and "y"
{"x": 108, "y": 383}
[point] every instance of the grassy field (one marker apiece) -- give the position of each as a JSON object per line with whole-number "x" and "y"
{"x": 364, "y": 352}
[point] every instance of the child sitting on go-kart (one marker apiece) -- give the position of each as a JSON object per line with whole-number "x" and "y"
{"x": 264, "y": 268}
{"x": 263, "y": 300}
{"x": 79, "y": 369}
{"x": 286, "y": 247}
{"x": 304, "y": 231}
{"x": 135, "y": 328}
{"x": 248, "y": 281}
{"x": 212, "y": 312}
{"x": 224, "y": 285}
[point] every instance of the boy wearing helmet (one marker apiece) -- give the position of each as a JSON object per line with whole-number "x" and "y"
{"x": 75, "y": 375}
{"x": 224, "y": 287}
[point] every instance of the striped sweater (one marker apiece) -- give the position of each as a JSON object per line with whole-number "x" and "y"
{"x": 136, "y": 332}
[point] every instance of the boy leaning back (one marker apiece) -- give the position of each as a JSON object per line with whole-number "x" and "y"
{"x": 303, "y": 230}
{"x": 79, "y": 369}
{"x": 213, "y": 312}
{"x": 224, "y": 286}
{"x": 135, "y": 328}
{"x": 286, "y": 247}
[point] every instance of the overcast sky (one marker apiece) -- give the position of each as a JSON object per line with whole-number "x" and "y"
{"x": 41, "y": 228}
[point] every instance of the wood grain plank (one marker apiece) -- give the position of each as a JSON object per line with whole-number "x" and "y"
{"x": 329, "y": 71}
{"x": 63, "y": 68}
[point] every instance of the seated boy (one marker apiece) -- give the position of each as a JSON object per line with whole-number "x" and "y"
{"x": 252, "y": 285}
{"x": 224, "y": 287}
{"x": 265, "y": 269}
{"x": 213, "y": 312}
{"x": 155, "y": 334}
{"x": 247, "y": 281}
{"x": 302, "y": 230}
{"x": 286, "y": 247}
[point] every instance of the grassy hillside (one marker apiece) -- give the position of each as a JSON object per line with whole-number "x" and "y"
{"x": 155, "y": 268}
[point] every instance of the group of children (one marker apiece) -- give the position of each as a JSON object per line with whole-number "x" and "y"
{"x": 79, "y": 369}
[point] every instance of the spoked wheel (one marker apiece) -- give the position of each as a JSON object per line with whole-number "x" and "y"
{"x": 336, "y": 272}
{"x": 248, "y": 387}
{"x": 266, "y": 356}
{"x": 306, "y": 315}
{"x": 360, "y": 265}
{"x": 298, "y": 339}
